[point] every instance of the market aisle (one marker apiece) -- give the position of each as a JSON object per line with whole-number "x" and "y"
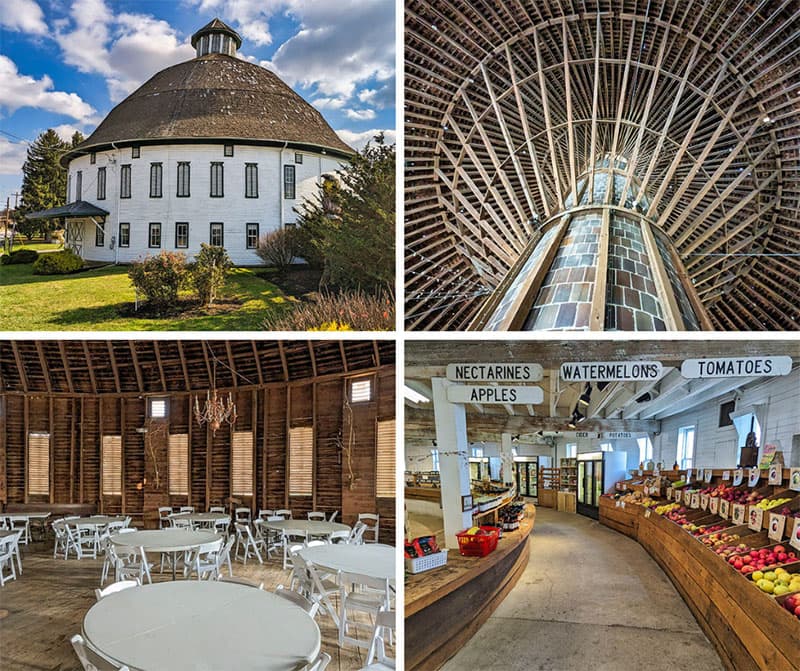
{"x": 590, "y": 599}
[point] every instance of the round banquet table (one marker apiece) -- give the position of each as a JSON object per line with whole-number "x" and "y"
{"x": 202, "y": 626}
{"x": 311, "y": 527}
{"x": 91, "y": 521}
{"x": 201, "y": 518}
{"x": 374, "y": 560}
{"x": 166, "y": 540}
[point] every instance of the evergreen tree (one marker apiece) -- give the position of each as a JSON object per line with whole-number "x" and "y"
{"x": 348, "y": 229}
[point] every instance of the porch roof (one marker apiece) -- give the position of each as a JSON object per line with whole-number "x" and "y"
{"x": 76, "y": 209}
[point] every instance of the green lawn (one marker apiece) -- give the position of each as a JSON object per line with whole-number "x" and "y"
{"x": 37, "y": 246}
{"x": 91, "y": 300}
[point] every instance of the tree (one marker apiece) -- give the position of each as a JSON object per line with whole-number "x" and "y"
{"x": 44, "y": 182}
{"x": 348, "y": 229}
{"x": 208, "y": 272}
{"x": 278, "y": 249}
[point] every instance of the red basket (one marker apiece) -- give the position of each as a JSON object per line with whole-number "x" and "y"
{"x": 471, "y": 545}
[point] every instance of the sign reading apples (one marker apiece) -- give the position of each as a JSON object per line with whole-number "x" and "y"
{"x": 713, "y": 505}
{"x": 794, "y": 541}
{"x": 775, "y": 474}
{"x": 724, "y": 509}
{"x": 752, "y": 477}
{"x": 460, "y": 393}
{"x": 738, "y": 476}
{"x": 777, "y": 523}
{"x": 738, "y": 513}
{"x": 756, "y": 521}
{"x": 794, "y": 479}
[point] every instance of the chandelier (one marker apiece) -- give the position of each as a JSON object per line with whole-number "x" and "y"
{"x": 217, "y": 409}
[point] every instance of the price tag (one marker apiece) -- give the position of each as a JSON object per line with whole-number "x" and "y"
{"x": 794, "y": 479}
{"x": 777, "y": 523}
{"x": 689, "y": 475}
{"x": 708, "y": 475}
{"x": 724, "y": 509}
{"x": 700, "y": 474}
{"x": 738, "y": 514}
{"x": 695, "y": 499}
{"x": 794, "y": 541}
{"x": 752, "y": 476}
{"x": 756, "y": 518}
{"x": 641, "y": 472}
{"x": 669, "y": 493}
{"x": 704, "y": 501}
{"x": 713, "y": 505}
{"x": 726, "y": 475}
{"x": 622, "y": 504}
{"x": 775, "y": 474}
{"x": 678, "y": 495}
{"x": 647, "y": 512}
{"x": 738, "y": 476}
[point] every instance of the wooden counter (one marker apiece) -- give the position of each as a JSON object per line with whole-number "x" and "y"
{"x": 446, "y": 606}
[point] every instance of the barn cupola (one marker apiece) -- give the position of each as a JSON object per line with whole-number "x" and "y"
{"x": 216, "y": 38}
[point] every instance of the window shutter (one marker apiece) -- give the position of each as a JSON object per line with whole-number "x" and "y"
{"x": 39, "y": 463}
{"x": 242, "y": 463}
{"x": 179, "y": 464}
{"x": 385, "y": 460}
{"x": 112, "y": 465}
{"x": 301, "y": 461}
{"x": 361, "y": 390}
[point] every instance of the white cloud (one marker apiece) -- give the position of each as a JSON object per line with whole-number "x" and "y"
{"x": 358, "y": 140}
{"x": 329, "y": 103}
{"x": 66, "y": 131}
{"x": 25, "y": 17}
{"x": 249, "y": 17}
{"x": 24, "y": 91}
{"x": 12, "y": 156}
{"x": 359, "y": 115}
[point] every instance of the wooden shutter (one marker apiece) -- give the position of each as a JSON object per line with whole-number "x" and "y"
{"x": 112, "y": 465}
{"x": 301, "y": 461}
{"x": 242, "y": 463}
{"x": 179, "y": 464}
{"x": 385, "y": 460}
{"x": 38, "y": 463}
{"x": 361, "y": 390}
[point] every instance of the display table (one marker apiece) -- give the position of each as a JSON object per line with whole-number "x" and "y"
{"x": 170, "y": 541}
{"x": 310, "y": 527}
{"x": 446, "y": 606}
{"x": 186, "y": 626}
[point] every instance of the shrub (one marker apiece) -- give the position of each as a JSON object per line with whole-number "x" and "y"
{"x": 159, "y": 277}
{"x": 208, "y": 272}
{"x": 21, "y": 256}
{"x": 58, "y": 263}
{"x": 356, "y": 311}
{"x": 278, "y": 249}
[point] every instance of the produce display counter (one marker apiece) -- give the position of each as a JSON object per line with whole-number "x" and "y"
{"x": 444, "y": 607}
{"x": 620, "y": 517}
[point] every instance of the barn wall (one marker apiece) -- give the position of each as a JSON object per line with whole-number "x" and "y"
{"x": 77, "y": 424}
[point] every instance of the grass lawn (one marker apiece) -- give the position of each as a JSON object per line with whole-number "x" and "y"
{"x": 36, "y": 246}
{"x": 92, "y": 300}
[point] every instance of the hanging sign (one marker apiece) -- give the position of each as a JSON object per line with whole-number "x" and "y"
{"x": 775, "y": 474}
{"x": 494, "y": 372}
{"x": 738, "y": 476}
{"x": 794, "y": 541}
{"x": 689, "y": 475}
{"x": 724, "y": 509}
{"x": 700, "y": 473}
{"x": 794, "y": 479}
{"x": 678, "y": 495}
{"x": 737, "y": 367}
{"x": 756, "y": 518}
{"x": 777, "y": 523}
{"x": 612, "y": 435}
{"x": 752, "y": 477}
{"x": 708, "y": 475}
{"x": 726, "y": 475}
{"x": 713, "y": 505}
{"x": 738, "y": 514}
{"x": 767, "y": 455}
{"x": 704, "y": 501}
{"x": 610, "y": 371}
{"x": 695, "y": 499}
{"x": 460, "y": 393}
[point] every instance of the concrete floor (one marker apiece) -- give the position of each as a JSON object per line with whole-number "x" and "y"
{"x": 590, "y": 599}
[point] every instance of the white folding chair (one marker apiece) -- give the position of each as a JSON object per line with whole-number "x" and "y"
{"x": 216, "y": 509}
{"x": 317, "y": 515}
{"x": 7, "y": 556}
{"x": 130, "y": 566}
{"x": 82, "y": 540}
{"x": 90, "y": 659}
{"x": 115, "y": 587}
{"x": 332, "y": 518}
{"x": 221, "y": 527}
{"x": 376, "y": 657}
{"x": 245, "y": 539}
{"x": 315, "y": 587}
{"x": 315, "y": 543}
{"x": 368, "y": 518}
{"x": 320, "y": 663}
{"x": 361, "y": 593}
{"x": 236, "y": 580}
{"x": 186, "y": 509}
{"x": 311, "y": 607}
{"x": 20, "y": 522}
{"x": 356, "y": 533}
{"x": 265, "y": 514}
{"x": 60, "y": 544}
{"x": 242, "y": 515}
{"x": 284, "y": 513}
{"x": 203, "y": 560}
{"x": 163, "y": 516}
{"x": 342, "y": 536}
{"x": 291, "y": 537}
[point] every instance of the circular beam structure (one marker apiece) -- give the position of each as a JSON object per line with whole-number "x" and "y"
{"x": 509, "y": 104}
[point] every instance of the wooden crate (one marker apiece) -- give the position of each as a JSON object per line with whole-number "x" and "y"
{"x": 566, "y": 501}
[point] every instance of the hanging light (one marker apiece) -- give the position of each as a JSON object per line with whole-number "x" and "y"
{"x": 217, "y": 409}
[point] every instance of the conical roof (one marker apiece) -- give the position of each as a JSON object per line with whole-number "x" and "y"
{"x": 217, "y": 26}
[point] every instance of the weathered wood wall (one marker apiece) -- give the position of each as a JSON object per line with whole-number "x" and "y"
{"x": 76, "y": 425}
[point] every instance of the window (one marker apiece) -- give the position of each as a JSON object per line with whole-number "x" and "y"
{"x": 215, "y": 42}
{"x": 125, "y": 181}
{"x": 685, "y": 447}
{"x": 288, "y": 182}
{"x": 606, "y": 447}
{"x": 242, "y": 463}
{"x": 645, "y": 449}
{"x": 92, "y": 158}
{"x": 435, "y": 460}
{"x": 124, "y": 234}
{"x": 384, "y": 459}
{"x": 725, "y": 411}
{"x": 182, "y": 234}
{"x": 135, "y": 152}
{"x": 111, "y": 464}
{"x": 100, "y": 234}
{"x": 361, "y": 390}
{"x": 301, "y": 461}
{"x": 179, "y": 464}
{"x": 572, "y": 450}
{"x": 154, "y": 237}
{"x": 101, "y": 184}
{"x": 252, "y": 236}
{"x": 69, "y": 187}
{"x": 156, "y": 175}
{"x": 158, "y": 408}
{"x": 38, "y": 463}
{"x": 228, "y": 150}
{"x": 477, "y": 452}
{"x": 216, "y": 236}
{"x": 298, "y": 158}
{"x": 217, "y": 180}
{"x": 184, "y": 177}
{"x": 251, "y": 180}
{"x": 78, "y": 184}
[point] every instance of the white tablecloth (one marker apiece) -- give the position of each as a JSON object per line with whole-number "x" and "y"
{"x": 93, "y": 520}
{"x": 202, "y": 626}
{"x": 312, "y": 527}
{"x": 376, "y": 561}
{"x": 165, "y": 540}
{"x": 201, "y": 517}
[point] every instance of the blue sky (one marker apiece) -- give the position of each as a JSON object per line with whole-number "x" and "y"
{"x": 64, "y": 64}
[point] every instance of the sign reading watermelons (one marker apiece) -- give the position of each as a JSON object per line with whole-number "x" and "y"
{"x": 760, "y": 366}
{"x": 610, "y": 371}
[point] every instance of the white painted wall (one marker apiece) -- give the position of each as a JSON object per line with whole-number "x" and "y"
{"x": 233, "y": 210}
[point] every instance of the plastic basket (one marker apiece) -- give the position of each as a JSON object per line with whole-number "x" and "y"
{"x": 426, "y": 563}
{"x": 470, "y": 545}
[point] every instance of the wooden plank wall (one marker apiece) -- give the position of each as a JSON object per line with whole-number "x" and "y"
{"x": 77, "y": 424}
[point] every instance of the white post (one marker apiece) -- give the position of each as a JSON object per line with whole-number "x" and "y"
{"x": 451, "y": 438}
{"x": 507, "y": 457}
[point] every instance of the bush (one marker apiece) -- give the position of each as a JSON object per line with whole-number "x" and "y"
{"x": 208, "y": 272}
{"x": 159, "y": 277}
{"x": 20, "y": 256}
{"x": 58, "y": 263}
{"x": 278, "y": 249}
{"x": 356, "y": 311}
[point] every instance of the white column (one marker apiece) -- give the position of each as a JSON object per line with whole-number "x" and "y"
{"x": 451, "y": 439}
{"x": 507, "y": 457}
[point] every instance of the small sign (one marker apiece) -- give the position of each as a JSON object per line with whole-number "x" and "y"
{"x": 700, "y": 474}
{"x": 775, "y": 474}
{"x": 613, "y": 435}
{"x": 738, "y": 476}
{"x": 460, "y": 393}
{"x": 466, "y": 503}
{"x": 756, "y": 518}
{"x": 669, "y": 493}
{"x": 708, "y": 475}
{"x": 726, "y": 475}
{"x": 753, "y": 475}
{"x": 724, "y": 509}
{"x": 616, "y": 503}
{"x": 695, "y": 499}
{"x": 622, "y": 504}
{"x": 657, "y": 470}
{"x": 794, "y": 541}
{"x": 761, "y": 366}
{"x": 704, "y": 501}
{"x": 641, "y": 472}
{"x": 767, "y": 455}
{"x": 794, "y": 479}
{"x": 777, "y": 523}
{"x": 713, "y": 505}
{"x": 689, "y": 475}
{"x": 494, "y": 372}
{"x": 611, "y": 371}
{"x": 739, "y": 513}
{"x": 678, "y": 495}
{"x": 647, "y": 512}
